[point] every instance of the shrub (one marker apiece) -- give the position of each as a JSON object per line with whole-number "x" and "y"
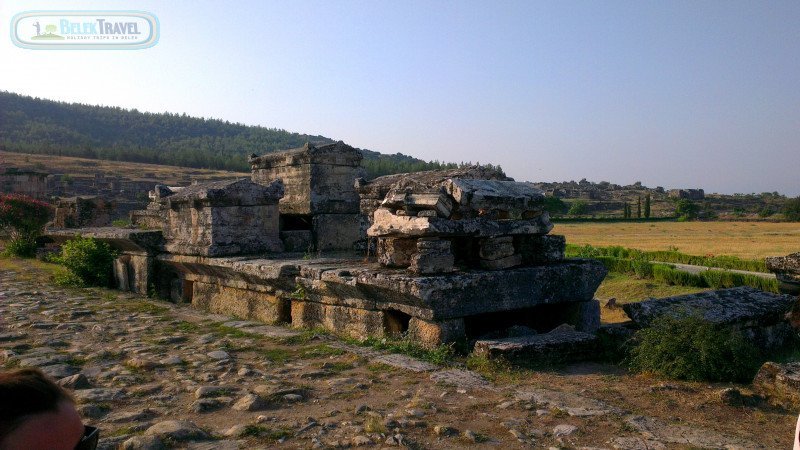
{"x": 687, "y": 347}
{"x": 89, "y": 260}
{"x": 24, "y": 219}
{"x": 791, "y": 209}
{"x": 554, "y": 205}
{"x": 686, "y": 209}
{"x": 578, "y": 208}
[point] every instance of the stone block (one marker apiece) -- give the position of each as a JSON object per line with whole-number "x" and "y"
{"x": 319, "y": 179}
{"x": 556, "y": 346}
{"x": 540, "y": 249}
{"x": 297, "y": 240}
{"x": 476, "y": 292}
{"x": 502, "y": 263}
{"x": 396, "y": 252}
{"x": 133, "y": 272}
{"x": 433, "y": 333}
{"x": 787, "y": 270}
{"x": 477, "y": 197}
{"x": 496, "y": 247}
{"x": 242, "y": 303}
{"x": 780, "y": 384}
{"x": 760, "y": 315}
{"x": 354, "y": 322}
{"x": 337, "y": 231}
{"x": 433, "y": 256}
{"x": 387, "y": 224}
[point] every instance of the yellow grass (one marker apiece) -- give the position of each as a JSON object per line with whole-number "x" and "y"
{"x": 750, "y": 240}
{"x": 130, "y": 170}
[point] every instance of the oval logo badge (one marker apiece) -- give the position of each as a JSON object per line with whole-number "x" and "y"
{"x": 85, "y": 30}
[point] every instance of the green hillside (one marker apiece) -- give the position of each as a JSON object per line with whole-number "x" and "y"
{"x": 39, "y": 126}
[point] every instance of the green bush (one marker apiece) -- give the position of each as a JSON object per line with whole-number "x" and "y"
{"x": 89, "y": 260}
{"x": 687, "y": 347}
{"x": 669, "y": 256}
{"x": 578, "y": 208}
{"x": 668, "y": 275}
{"x": 791, "y": 209}
{"x": 23, "y": 218}
{"x": 20, "y": 246}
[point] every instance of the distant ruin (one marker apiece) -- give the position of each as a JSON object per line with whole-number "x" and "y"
{"x": 439, "y": 256}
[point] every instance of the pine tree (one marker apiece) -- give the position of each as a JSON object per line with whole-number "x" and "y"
{"x": 647, "y": 207}
{"x": 639, "y": 208}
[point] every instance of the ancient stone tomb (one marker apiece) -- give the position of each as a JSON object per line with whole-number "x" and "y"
{"x": 461, "y": 254}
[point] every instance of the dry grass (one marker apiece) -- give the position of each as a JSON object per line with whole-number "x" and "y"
{"x": 751, "y": 240}
{"x": 130, "y": 170}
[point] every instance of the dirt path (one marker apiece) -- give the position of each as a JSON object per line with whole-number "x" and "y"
{"x": 150, "y": 373}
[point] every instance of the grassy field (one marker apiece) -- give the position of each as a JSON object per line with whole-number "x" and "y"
{"x": 752, "y": 240}
{"x": 133, "y": 171}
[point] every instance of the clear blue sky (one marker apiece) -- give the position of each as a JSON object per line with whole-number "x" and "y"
{"x": 671, "y": 93}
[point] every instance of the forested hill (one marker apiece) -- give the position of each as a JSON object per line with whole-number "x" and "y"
{"x": 33, "y": 125}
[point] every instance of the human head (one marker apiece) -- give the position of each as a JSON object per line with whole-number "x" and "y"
{"x": 36, "y": 413}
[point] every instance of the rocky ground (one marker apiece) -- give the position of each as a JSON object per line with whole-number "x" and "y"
{"x": 153, "y": 375}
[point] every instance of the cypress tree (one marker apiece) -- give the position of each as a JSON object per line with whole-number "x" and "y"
{"x": 639, "y": 208}
{"x": 647, "y": 207}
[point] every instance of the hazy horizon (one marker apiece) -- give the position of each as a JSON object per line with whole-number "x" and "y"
{"x": 678, "y": 94}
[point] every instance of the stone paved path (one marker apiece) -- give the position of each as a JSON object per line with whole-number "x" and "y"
{"x": 154, "y": 375}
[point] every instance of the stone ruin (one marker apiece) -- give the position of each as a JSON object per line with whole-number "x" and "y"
{"x": 82, "y": 211}
{"x": 787, "y": 271}
{"x": 440, "y": 256}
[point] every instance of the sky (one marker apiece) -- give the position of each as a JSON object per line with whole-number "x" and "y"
{"x": 670, "y": 93}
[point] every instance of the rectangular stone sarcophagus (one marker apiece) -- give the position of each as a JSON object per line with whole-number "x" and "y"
{"x": 320, "y": 210}
{"x": 222, "y": 218}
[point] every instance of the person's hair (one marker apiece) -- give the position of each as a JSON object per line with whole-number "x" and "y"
{"x": 25, "y": 392}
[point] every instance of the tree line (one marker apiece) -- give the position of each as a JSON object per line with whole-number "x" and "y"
{"x": 39, "y": 126}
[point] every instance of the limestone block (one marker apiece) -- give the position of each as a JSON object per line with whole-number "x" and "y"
{"x": 354, "y": 322}
{"x": 297, "y": 240}
{"x": 387, "y": 224}
{"x": 396, "y": 252}
{"x": 787, "y": 270}
{"x": 433, "y": 256}
{"x": 759, "y": 315}
{"x": 122, "y": 277}
{"x": 496, "y": 247}
{"x": 540, "y": 249}
{"x": 780, "y": 383}
{"x": 479, "y": 196}
{"x": 557, "y": 345}
{"x": 241, "y": 303}
{"x": 337, "y": 231}
{"x": 502, "y": 263}
{"x": 433, "y": 333}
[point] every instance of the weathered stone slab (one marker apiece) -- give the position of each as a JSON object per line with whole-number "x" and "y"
{"x": 337, "y": 231}
{"x": 123, "y": 239}
{"x": 761, "y": 316}
{"x": 462, "y": 379}
{"x": 475, "y": 196}
{"x": 572, "y": 404}
{"x": 242, "y": 303}
{"x": 686, "y": 435}
{"x": 440, "y": 203}
{"x": 540, "y": 249}
{"x": 780, "y": 383}
{"x": 787, "y": 270}
{"x": 476, "y": 292}
{"x": 396, "y": 252}
{"x": 433, "y": 256}
{"x": 740, "y": 305}
{"x": 387, "y": 224}
{"x": 502, "y": 263}
{"x": 496, "y": 248}
{"x": 557, "y": 345}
